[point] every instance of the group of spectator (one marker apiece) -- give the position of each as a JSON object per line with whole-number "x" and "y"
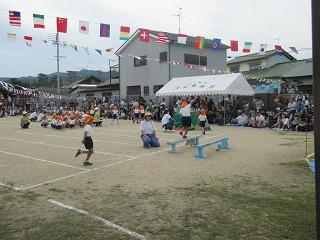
{"x": 289, "y": 113}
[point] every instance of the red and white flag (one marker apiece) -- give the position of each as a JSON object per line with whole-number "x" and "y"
{"x": 84, "y": 27}
{"x": 144, "y": 35}
{"x": 62, "y": 24}
{"x": 28, "y": 40}
{"x": 162, "y": 38}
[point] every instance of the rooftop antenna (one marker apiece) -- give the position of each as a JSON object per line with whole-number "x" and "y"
{"x": 179, "y": 15}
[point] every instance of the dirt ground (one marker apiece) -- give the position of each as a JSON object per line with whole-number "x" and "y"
{"x": 256, "y": 189}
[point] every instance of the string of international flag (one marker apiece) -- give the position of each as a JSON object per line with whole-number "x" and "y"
{"x": 15, "y": 19}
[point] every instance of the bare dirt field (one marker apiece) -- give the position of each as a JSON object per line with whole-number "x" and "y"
{"x": 260, "y": 188}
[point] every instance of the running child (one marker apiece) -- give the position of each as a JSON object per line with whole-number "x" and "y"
{"x": 136, "y": 116}
{"x": 203, "y": 120}
{"x": 87, "y": 140}
{"x": 115, "y": 115}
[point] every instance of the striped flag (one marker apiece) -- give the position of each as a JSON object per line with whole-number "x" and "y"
{"x": 28, "y": 40}
{"x": 247, "y": 47}
{"x": 15, "y": 18}
{"x": 11, "y": 36}
{"x": 199, "y": 44}
{"x": 38, "y": 21}
{"x": 182, "y": 40}
{"x": 124, "y": 33}
{"x": 162, "y": 38}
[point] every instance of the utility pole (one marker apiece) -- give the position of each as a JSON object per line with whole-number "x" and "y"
{"x": 179, "y": 16}
{"x": 316, "y": 94}
{"x": 58, "y": 63}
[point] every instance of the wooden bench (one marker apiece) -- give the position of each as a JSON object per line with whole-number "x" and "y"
{"x": 189, "y": 139}
{"x": 223, "y": 143}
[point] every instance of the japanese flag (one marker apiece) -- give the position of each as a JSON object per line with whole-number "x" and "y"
{"x": 84, "y": 27}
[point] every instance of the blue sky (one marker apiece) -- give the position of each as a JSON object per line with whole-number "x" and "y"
{"x": 246, "y": 20}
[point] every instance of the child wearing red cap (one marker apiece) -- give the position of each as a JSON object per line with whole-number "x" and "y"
{"x": 87, "y": 140}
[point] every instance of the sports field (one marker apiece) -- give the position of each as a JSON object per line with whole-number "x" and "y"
{"x": 261, "y": 188}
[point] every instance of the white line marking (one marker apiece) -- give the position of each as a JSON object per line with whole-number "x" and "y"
{"x": 104, "y": 221}
{"x": 8, "y": 186}
{"x": 41, "y": 160}
{"x": 60, "y": 146}
{"x": 109, "y": 165}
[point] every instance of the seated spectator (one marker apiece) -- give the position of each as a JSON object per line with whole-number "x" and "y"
{"x": 167, "y": 122}
{"x": 148, "y": 132}
{"x": 259, "y": 121}
{"x": 284, "y": 123}
{"x": 295, "y": 121}
{"x": 242, "y": 120}
{"x": 72, "y": 122}
{"x": 33, "y": 116}
{"x": 24, "y": 121}
{"x": 299, "y": 106}
{"x": 292, "y": 104}
{"x": 273, "y": 120}
{"x": 44, "y": 122}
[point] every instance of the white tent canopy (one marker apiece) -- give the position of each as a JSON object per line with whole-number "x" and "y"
{"x": 234, "y": 84}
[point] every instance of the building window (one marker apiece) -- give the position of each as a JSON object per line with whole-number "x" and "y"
{"x": 163, "y": 56}
{"x": 90, "y": 94}
{"x": 191, "y": 59}
{"x": 203, "y": 60}
{"x": 156, "y": 88}
{"x": 107, "y": 94}
{"x": 134, "y": 91}
{"x": 255, "y": 66}
{"x": 235, "y": 69}
{"x": 146, "y": 90}
{"x": 140, "y": 62}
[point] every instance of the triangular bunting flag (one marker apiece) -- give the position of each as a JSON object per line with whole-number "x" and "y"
{"x": 99, "y": 51}
{"x": 74, "y": 47}
{"x": 293, "y": 49}
{"x": 86, "y": 49}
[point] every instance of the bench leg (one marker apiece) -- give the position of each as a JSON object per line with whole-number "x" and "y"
{"x": 224, "y": 144}
{"x": 173, "y": 149}
{"x": 200, "y": 153}
{"x": 197, "y": 141}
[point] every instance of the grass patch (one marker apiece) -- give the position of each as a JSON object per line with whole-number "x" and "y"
{"x": 296, "y": 164}
{"x": 55, "y": 190}
{"x": 244, "y": 208}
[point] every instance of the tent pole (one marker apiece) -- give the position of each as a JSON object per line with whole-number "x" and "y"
{"x": 224, "y": 110}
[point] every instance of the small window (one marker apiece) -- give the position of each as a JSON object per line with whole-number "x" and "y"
{"x": 235, "y": 69}
{"x": 156, "y": 88}
{"x": 163, "y": 56}
{"x": 146, "y": 90}
{"x": 140, "y": 62}
{"x": 255, "y": 66}
{"x": 90, "y": 94}
{"x": 191, "y": 59}
{"x": 203, "y": 60}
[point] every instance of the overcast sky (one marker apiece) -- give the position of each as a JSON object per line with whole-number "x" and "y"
{"x": 246, "y": 20}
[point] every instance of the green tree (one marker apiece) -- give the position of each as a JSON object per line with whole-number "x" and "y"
{"x": 15, "y": 81}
